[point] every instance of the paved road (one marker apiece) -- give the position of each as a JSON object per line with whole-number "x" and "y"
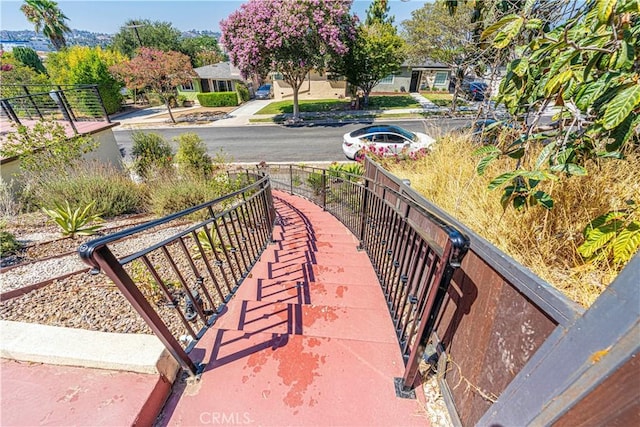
{"x": 283, "y": 144}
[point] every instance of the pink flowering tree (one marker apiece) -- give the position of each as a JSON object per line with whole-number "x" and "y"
{"x": 160, "y": 71}
{"x": 291, "y": 37}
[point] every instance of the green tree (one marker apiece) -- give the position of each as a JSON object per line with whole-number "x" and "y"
{"x": 88, "y": 65}
{"x": 378, "y": 12}
{"x": 158, "y": 35}
{"x": 588, "y": 69}
{"x": 48, "y": 19}
{"x": 160, "y": 71}
{"x": 291, "y": 38}
{"x": 203, "y": 50}
{"x": 28, "y": 57}
{"x": 436, "y": 34}
{"x": 375, "y": 52}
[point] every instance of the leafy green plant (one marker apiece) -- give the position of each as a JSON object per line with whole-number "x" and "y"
{"x": 74, "y": 222}
{"x": 171, "y": 195}
{"x": 151, "y": 153}
{"x": 192, "y": 157}
{"x": 587, "y": 68}
{"x": 316, "y": 182}
{"x": 8, "y": 243}
{"x": 614, "y": 236}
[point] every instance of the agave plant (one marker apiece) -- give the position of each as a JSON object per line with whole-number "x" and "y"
{"x": 74, "y": 222}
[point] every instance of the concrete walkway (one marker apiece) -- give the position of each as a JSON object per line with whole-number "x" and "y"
{"x": 306, "y": 341}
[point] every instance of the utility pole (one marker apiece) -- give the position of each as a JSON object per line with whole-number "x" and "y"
{"x": 135, "y": 27}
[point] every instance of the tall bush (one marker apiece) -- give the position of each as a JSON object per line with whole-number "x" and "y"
{"x": 218, "y": 99}
{"x": 151, "y": 153}
{"x": 192, "y": 157}
{"x": 88, "y": 65}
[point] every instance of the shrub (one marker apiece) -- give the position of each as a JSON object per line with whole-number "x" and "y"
{"x": 243, "y": 92}
{"x": 9, "y": 206}
{"x": 8, "y": 243}
{"x": 192, "y": 157}
{"x": 151, "y": 153}
{"x": 111, "y": 189}
{"x": 74, "y": 222}
{"x": 218, "y": 99}
{"x": 171, "y": 195}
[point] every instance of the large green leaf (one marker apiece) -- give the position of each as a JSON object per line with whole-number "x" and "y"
{"x": 588, "y": 93}
{"x": 627, "y": 243}
{"x": 498, "y": 26}
{"x": 599, "y": 237}
{"x": 485, "y": 162}
{"x": 620, "y": 107}
{"x": 570, "y": 168}
{"x": 508, "y": 32}
{"x": 505, "y": 177}
{"x": 521, "y": 67}
{"x": 544, "y": 154}
{"x": 605, "y": 8}
{"x": 556, "y": 81}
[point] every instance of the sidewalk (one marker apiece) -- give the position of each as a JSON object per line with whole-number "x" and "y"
{"x": 153, "y": 117}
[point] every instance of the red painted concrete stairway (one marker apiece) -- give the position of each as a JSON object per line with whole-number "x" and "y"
{"x": 307, "y": 339}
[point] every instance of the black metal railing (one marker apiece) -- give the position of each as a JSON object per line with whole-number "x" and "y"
{"x": 413, "y": 252}
{"x": 192, "y": 263}
{"x": 71, "y": 104}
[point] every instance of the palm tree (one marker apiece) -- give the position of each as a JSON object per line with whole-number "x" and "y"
{"x": 48, "y": 19}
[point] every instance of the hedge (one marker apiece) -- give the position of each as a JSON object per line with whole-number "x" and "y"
{"x": 218, "y": 99}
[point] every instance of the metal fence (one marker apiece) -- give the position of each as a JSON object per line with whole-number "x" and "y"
{"x": 71, "y": 104}
{"x": 509, "y": 348}
{"x": 180, "y": 282}
{"x": 414, "y": 266}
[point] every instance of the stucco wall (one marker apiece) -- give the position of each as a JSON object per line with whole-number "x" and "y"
{"x": 316, "y": 86}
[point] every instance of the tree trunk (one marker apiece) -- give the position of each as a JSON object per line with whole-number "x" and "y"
{"x": 296, "y": 107}
{"x": 167, "y": 103}
{"x": 366, "y": 99}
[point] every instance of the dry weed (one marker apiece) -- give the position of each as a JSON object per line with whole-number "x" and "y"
{"x": 544, "y": 241}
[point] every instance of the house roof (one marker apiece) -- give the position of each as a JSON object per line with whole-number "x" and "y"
{"x": 219, "y": 71}
{"x": 428, "y": 64}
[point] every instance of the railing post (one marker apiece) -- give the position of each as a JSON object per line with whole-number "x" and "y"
{"x": 35, "y": 106}
{"x": 364, "y": 213}
{"x": 57, "y": 98}
{"x": 104, "y": 109}
{"x": 324, "y": 189}
{"x": 108, "y": 263}
{"x": 9, "y": 111}
{"x": 66, "y": 104}
{"x": 291, "y": 179}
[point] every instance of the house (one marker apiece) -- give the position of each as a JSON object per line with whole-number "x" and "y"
{"x": 316, "y": 86}
{"x": 429, "y": 75}
{"x": 220, "y": 77}
{"x": 411, "y": 78}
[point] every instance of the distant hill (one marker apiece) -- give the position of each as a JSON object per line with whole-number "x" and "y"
{"x": 86, "y": 38}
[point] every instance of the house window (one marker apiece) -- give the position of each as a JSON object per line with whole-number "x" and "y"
{"x": 187, "y": 86}
{"x": 223, "y": 86}
{"x": 440, "y": 79}
{"x": 387, "y": 80}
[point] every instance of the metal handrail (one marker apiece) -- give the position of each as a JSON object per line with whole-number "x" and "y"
{"x": 184, "y": 270}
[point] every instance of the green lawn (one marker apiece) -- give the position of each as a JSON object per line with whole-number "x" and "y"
{"x": 443, "y": 99}
{"x": 321, "y": 105}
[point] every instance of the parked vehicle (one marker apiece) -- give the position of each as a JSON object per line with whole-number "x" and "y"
{"x": 475, "y": 91}
{"x": 264, "y": 92}
{"x": 384, "y": 139}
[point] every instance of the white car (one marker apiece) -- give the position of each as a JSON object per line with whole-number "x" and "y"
{"x": 386, "y": 140}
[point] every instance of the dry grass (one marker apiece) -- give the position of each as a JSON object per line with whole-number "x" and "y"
{"x": 544, "y": 241}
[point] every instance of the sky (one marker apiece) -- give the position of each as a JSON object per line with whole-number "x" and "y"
{"x": 108, "y": 16}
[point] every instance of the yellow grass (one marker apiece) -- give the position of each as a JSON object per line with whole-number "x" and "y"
{"x": 544, "y": 241}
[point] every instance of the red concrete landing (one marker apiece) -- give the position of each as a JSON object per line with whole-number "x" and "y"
{"x": 307, "y": 340}
{"x": 34, "y": 394}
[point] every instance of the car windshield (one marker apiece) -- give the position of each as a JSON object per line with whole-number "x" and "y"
{"x": 265, "y": 87}
{"x": 386, "y": 129}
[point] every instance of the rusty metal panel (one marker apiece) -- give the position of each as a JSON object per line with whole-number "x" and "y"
{"x": 611, "y": 403}
{"x": 489, "y": 331}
